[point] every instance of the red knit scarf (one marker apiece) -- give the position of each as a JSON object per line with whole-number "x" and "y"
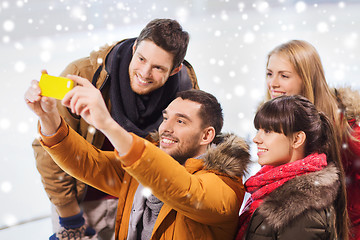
{"x": 269, "y": 178}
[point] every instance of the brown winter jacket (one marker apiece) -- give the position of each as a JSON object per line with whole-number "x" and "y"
{"x": 302, "y": 208}
{"x": 201, "y": 199}
{"x": 61, "y": 188}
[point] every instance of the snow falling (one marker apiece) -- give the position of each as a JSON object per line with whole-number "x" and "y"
{"x": 228, "y": 47}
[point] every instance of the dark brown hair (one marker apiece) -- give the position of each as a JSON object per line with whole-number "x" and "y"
{"x": 291, "y": 114}
{"x": 210, "y": 111}
{"x": 169, "y": 35}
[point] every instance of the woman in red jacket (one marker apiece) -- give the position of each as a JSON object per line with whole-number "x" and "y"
{"x": 295, "y": 68}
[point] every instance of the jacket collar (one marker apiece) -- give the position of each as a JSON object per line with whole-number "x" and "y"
{"x": 98, "y": 58}
{"x": 228, "y": 155}
{"x": 310, "y": 191}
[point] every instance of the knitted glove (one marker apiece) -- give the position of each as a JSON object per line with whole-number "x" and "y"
{"x": 73, "y": 228}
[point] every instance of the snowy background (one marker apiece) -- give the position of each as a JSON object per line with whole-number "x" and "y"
{"x": 228, "y": 47}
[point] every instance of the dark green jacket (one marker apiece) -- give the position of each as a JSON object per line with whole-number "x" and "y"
{"x": 301, "y": 209}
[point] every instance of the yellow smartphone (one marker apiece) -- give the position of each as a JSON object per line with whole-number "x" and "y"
{"x": 55, "y": 87}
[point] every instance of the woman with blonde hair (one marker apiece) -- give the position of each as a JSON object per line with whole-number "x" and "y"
{"x": 295, "y": 68}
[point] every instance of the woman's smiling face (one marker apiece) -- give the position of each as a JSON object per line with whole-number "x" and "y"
{"x": 281, "y": 77}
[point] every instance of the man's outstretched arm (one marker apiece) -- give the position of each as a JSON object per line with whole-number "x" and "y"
{"x": 43, "y": 107}
{"x": 86, "y": 100}
{"x": 53, "y": 131}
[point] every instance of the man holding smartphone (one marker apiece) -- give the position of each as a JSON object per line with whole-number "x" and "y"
{"x": 137, "y": 78}
{"x": 192, "y": 180}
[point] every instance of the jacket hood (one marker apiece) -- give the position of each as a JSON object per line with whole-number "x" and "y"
{"x": 315, "y": 190}
{"x": 351, "y": 101}
{"x": 229, "y": 154}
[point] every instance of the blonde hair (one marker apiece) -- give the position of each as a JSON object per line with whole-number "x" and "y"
{"x": 307, "y": 63}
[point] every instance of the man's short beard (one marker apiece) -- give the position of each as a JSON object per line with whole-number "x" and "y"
{"x": 181, "y": 157}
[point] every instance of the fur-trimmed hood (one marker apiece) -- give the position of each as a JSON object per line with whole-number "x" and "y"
{"x": 228, "y": 154}
{"x": 315, "y": 190}
{"x": 351, "y": 102}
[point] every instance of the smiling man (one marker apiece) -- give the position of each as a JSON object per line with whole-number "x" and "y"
{"x": 138, "y": 78}
{"x": 196, "y": 188}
